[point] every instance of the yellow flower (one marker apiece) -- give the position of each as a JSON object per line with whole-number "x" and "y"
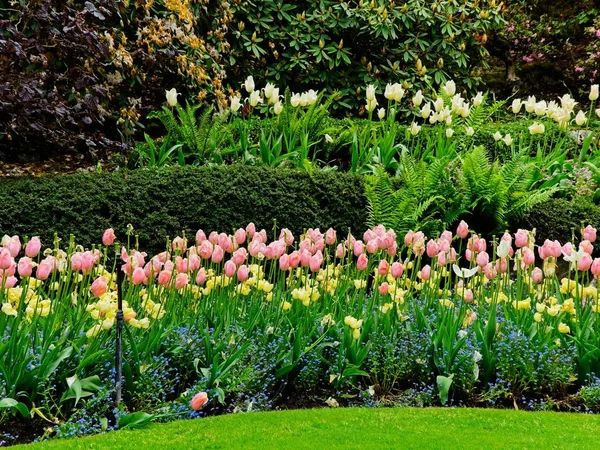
{"x": 327, "y": 320}
{"x": 93, "y": 332}
{"x": 540, "y": 307}
{"x": 360, "y": 284}
{"x": 563, "y": 328}
{"x": 356, "y": 333}
{"x": 352, "y": 322}
{"x": 286, "y": 305}
{"x": 9, "y": 310}
{"x": 537, "y": 317}
{"x": 386, "y": 307}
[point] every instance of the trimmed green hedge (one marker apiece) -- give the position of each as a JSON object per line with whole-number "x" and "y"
{"x": 560, "y": 218}
{"x": 169, "y": 201}
{"x": 165, "y": 202}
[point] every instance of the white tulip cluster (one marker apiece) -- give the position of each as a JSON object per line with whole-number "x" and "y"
{"x": 270, "y": 95}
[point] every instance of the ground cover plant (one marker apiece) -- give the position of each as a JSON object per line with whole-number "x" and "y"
{"x": 242, "y": 322}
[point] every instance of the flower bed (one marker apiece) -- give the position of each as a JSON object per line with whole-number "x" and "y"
{"x": 322, "y": 320}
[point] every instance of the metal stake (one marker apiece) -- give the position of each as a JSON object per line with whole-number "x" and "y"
{"x": 119, "y": 342}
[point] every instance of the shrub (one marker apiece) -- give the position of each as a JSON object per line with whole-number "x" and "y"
{"x": 168, "y": 201}
{"x": 560, "y": 218}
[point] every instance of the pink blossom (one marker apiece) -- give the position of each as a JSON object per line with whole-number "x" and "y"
{"x": 33, "y": 247}
{"x": 243, "y": 273}
{"x": 108, "y": 238}
{"x": 537, "y": 275}
{"x": 362, "y": 262}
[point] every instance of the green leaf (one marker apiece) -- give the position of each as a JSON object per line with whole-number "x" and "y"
{"x": 135, "y": 420}
{"x": 443, "y": 385}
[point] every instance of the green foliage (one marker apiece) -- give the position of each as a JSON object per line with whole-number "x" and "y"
{"x": 165, "y": 202}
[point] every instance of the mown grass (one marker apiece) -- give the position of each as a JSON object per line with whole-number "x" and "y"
{"x": 354, "y": 428}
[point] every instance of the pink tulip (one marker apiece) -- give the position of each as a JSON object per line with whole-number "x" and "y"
{"x": 501, "y": 265}
{"x": 229, "y": 268}
{"x": 138, "y": 276}
{"x": 243, "y": 273}
{"x": 408, "y": 238}
{"x": 194, "y": 262}
{"x": 180, "y": 244}
{"x": 589, "y": 233}
{"x": 164, "y": 277}
{"x": 10, "y": 282}
{"x": 319, "y": 245}
{"x": 369, "y": 235}
{"x": 358, "y": 248}
{"x": 393, "y": 249}
{"x": 239, "y": 256}
{"x": 199, "y": 400}
{"x": 383, "y": 288}
{"x": 12, "y": 244}
{"x": 482, "y": 259}
{"x": 397, "y": 269}
{"x": 284, "y": 262}
{"x": 383, "y": 267}
{"x": 340, "y": 252}
{"x": 468, "y": 255}
{"x": 108, "y": 238}
{"x": 537, "y": 275}
{"x": 433, "y": 249}
{"x": 240, "y": 236}
{"x": 295, "y": 259}
{"x": 489, "y": 271}
{"x": 287, "y": 237}
{"x": 372, "y": 246}
{"x": 446, "y": 236}
{"x": 468, "y": 296}
{"x": 213, "y": 237}
{"x": 362, "y": 262}
{"x": 6, "y": 259}
{"x": 521, "y": 238}
{"x": 567, "y": 249}
{"x": 43, "y": 270}
{"x": 88, "y": 259}
{"x": 587, "y": 247}
{"x": 98, "y": 288}
{"x": 25, "y": 267}
{"x": 200, "y": 237}
{"x": 251, "y": 229}
{"x": 201, "y": 277}
{"x": 330, "y": 236}
{"x": 261, "y": 236}
{"x": 528, "y": 257}
{"x": 217, "y": 254}
{"x": 305, "y": 258}
{"x": 33, "y": 247}
{"x": 585, "y": 262}
{"x": 596, "y": 267}
{"x": 76, "y": 262}
{"x": 426, "y": 272}
{"x": 181, "y": 264}
{"x": 169, "y": 266}
{"x": 315, "y": 261}
{"x": 442, "y": 259}
{"x": 444, "y": 245}
{"x": 181, "y": 280}
{"x": 462, "y": 231}
{"x": 206, "y": 249}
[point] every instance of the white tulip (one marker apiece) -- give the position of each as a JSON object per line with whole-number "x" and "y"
{"x": 381, "y": 113}
{"x": 235, "y": 103}
{"x": 277, "y": 108}
{"x": 537, "y": 128}
{"x": 426, "y": 111}
{"x": 497, "y": 136}
{"x": 449, "y": 88}
{"x": 311, "y": 96}
{"x": 269, "y": 90}
{"x": 370, "y": 92}
{"x": 530, "y": 104}
{"x": 328, "y": 139}
{"x": 414, "y": 129}
{"x": 295, "y": 100}
{"x": 508, "y": 140}
{"x": 434, "y": 118}
{"x": 580, "y": 118}
{"x": 469, "y": 131}
{"x": 274, "y": 96}
{"x": 449, "y": 120}
{"x": 371, "y": 105}
{"x": 418, "y": 98}
{"x": 463, "y": 272}
{"x": 478, "y": 100}
{"x": 438, "y": 104}
{"x": 516, "y": 105}
{"x": 249, "y": 84}
{"x": 449, "y": 132}
{"x": 594, "y": 92}
{"x": 172, "y": 97}
{"x": 254, "y": 98}
{"x": 568, "y": 102}
{"x": 503, "y": 248}
{"x": 540, "y": 108}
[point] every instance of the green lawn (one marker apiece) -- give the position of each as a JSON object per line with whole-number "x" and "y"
{"x": 353, "y": 428}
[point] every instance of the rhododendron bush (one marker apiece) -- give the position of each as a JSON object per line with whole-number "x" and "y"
{"x": 448, "y": 319}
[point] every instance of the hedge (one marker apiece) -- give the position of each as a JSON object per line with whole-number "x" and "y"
{"x": 169, "y": 201}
